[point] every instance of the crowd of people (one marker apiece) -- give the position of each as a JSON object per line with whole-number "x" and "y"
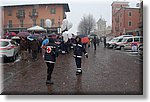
{"x": 52, "y": 47}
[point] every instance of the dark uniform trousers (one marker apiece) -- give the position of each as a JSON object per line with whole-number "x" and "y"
{"x": 78, "y": 62}
{"x": 49, "y": 70}
{"x": 94, "y": 46}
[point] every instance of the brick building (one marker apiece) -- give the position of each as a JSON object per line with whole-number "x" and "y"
{"x": 20, "y": 17}
{"x": 125, "y": 19}
{"x": 141, "y": 18}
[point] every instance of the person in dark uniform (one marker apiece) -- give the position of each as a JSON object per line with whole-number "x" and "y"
{"x": 51, "y": 52}
{"x": 78, "y": 50}
{"x": 94, "y": 42}
{"x": 104, "y": 41}
{"x": 34, "y": 48}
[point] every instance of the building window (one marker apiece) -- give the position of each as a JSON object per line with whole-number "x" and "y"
{"x": 9, "y": 12}
{"x": 53, "y": 10}
{"x": 10, "y": 23}
{"x": 34, "y": 22}
{"x": 53, "y": 22}
{"x": 120, "y": 24}
{"x": 21, "y": 23}
{"x": 130, "y": 13}
{"x": 42, "y": 23}
{"x": 129, "y": 23}
{"x": 21, "y": 12}
{"x": 33, "y": 11}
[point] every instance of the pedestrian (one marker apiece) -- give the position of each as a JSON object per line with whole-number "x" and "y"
{"x": 94, "y": 42}
{"x": 104, "y": 40}
{"x": 24, "y": 48}
{"x": 51, "y": 52}
{"x": 78, "y": 50}
{"x": 34, "y": 49}
{"x": 98, "y": 41}
{"x": 134, "y": 46}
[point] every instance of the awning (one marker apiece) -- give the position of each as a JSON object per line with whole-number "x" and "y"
{"x": 36, "y": 28}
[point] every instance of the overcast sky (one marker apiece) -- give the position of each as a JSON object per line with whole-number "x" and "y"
{"x": 79, "y": 8}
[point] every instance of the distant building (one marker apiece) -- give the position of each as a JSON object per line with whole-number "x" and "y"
{"x": 125, "y": 19}
{"x": 108, "y": 30}
{"x": 20, "y": 17}
{"x": 102, "y": 29}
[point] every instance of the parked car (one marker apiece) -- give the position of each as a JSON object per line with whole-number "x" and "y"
{"x": 112, "y": 43}
{"x": 127, "y": 42}
{"x": 8, "y": 49}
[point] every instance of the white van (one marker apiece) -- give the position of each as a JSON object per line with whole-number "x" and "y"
{"x": 127, "y": 42}
{"x": 112, "y": 43}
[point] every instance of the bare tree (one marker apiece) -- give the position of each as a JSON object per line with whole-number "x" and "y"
{"x": 87, "y": 24}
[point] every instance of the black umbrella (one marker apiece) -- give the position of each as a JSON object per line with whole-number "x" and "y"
{"x": 93, "y": 35}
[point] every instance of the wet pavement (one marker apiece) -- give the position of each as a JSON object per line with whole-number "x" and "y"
{"x": 106, "y": 71}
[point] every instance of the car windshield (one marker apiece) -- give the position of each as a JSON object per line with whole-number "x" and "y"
{"x": 124, "y": 40}
{"x": 120, "y": 40}
{"x": 3, "y": 43}
{"x": 113, "y": 40}
{"x": 110, "y": 39}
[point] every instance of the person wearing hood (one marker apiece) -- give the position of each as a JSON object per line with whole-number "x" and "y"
{"x": 50, "y": 54}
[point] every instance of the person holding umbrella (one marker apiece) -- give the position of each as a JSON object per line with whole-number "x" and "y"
{"x": 34, "y": 49}
{"x": 24, "y": 48}
{"x": 78, "y": 50}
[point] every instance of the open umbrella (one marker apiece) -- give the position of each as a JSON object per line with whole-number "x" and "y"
{"x": 93, "y": 35}
{"x": 82, "y": 35}
{"x": 85, "y": 40}
{"x": 11, "y": 34}
{"x": 23, "y": 34}
{"x": 33, "y": 36}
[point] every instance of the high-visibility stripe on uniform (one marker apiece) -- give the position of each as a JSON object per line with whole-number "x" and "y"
{"x": 49, "y": 61}
{"x": 77, "y": 56}
{"x": 79, "y": 68}
{"x": 86, "y": 53}
{"x": 79, "y": 45}
{"x": 51, "y": 46}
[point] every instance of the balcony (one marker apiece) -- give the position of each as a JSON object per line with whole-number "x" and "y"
{"x": 20, "y": 15}
{"x": 33, "y": 14}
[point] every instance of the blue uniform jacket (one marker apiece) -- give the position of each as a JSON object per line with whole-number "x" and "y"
{"x": 78, "y": 50}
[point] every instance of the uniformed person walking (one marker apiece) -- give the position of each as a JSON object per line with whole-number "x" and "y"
{"x": 51, "y": 52}
{"x": 78, "y": 50}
